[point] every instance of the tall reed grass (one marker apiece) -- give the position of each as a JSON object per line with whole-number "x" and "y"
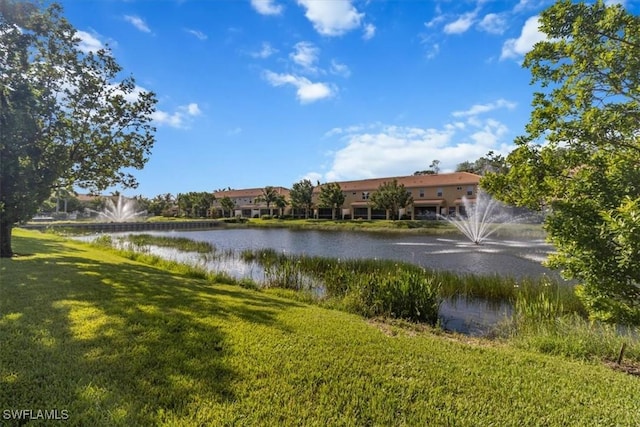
{"x": 335, "y": 274}
{"x": 547, "y": 315}
{"x": 106, "y": 242}
{"x": 180, "y": 243}
{"x": 544, "y": 324}
{"x": 400, "y": 294}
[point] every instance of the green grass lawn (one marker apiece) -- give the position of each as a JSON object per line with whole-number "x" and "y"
{"x": 115, "y": 342}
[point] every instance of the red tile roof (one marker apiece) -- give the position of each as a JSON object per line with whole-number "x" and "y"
{"x": 247, "y": 193}
{"x": 412, "y": 181}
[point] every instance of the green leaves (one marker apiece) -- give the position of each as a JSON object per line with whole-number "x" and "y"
{"x": 391, "y": 196}
{"x": 228, "y": 204}
{"x": 66, "y": 117}
{"x": 301, "y": 195}
{"x": 195, "y": 204}
{"x": 581, "y": 153}
{"x": 331, "y": 196}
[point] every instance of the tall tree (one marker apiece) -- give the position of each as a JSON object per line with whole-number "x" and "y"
{"x": 466, "y": 166}
{"x": 302, "y": 196}
{"x": 161, "y": 204}
{"x": 434, "y": 169}
{"x": 331, "y": 196}
{"x": 435, "y": 166}
{"x": 185, "y": 204}
{"x": 204, "y": 203}
{"x": 581, "y": 152}
{"x": 227, "y": 204}
{"x": 281, "y": 202}
{"x": 391, "y": 197}
{"x": 195, "y": 204}
{"x": 490, "y": 163}
{"x": 269, "y": 195}
{"x": 65, "y": 116}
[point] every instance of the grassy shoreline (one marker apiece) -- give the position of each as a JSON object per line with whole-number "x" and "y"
{"x": 118, "y": 342}
{"x": 432, "y": 227}
{"x": 374, "y": 226}
{"x": 546, "y": 314}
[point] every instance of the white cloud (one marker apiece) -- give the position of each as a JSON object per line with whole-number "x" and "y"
{"x": 307, "y": 91}
{"x": 266, "y": 51}
{"x": 529, "y": 5}
{"x": 435, "y": 21}
{"x": 314, "y": 177}
{"x": 137, "y": 22}
{"x": 349, "y": 129}
{"x": 175, "y": 120}
{"x": 433, "y": 51}
{"x": 382, "y": 150}
{"x": 266, "y": 7}
{"x": 485, "y": 108}
{"x": 198, "y": 34}
{"x": 178, "y": 119}
{"x": 460, "y": 25}
{"x": 88, "y": 42}
{"x": 369, "y": 31}
{"x": 332, "y": 18}
{"x": 493, "y": 23}
{"x": 339, "y": 69}
{"x": 530, "y": 35}
{"x": 192, "y": 109}
{"x": 490, "y": 134}
{"x": 391, "y": 151}
{"x": 305, "y": 54}
{"x": 430, "y": 43}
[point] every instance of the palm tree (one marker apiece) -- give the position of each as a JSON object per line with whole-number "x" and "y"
{"x": 281, "y": 203}
{"x": 269, "y": 195}
{"x": 227, "y": 204}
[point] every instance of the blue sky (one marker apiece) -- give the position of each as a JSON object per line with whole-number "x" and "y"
{"x": 268, "y": 92}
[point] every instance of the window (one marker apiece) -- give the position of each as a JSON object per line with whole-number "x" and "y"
{"x": 365, "y": 195}
{"x": 459, "y": 188}
{"x": 470, "y": 190}
{"x": 439, "y": 192}
{"x": 422, "y": 192}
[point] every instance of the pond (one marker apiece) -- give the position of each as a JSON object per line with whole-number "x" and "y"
{"x": 515, "y": 257}
{"x": 518, "y": 258}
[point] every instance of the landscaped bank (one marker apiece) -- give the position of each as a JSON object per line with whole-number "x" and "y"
{"x": 116, "y": 342}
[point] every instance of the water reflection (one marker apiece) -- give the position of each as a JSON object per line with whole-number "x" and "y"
{"x": 516, "y": 258}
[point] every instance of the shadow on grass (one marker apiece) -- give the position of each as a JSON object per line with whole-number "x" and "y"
{"x": 116, "y": 343}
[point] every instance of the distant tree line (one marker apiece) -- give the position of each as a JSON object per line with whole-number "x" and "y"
{"x": 390, "y": 196}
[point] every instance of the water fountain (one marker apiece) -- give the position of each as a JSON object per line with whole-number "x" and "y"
{"x": 483, "y": 216}
{"x": 122, "y": 211}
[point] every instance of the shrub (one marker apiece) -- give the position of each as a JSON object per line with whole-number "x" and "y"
{"x": 401, "y": 294}
{"x": 542, "y": 322}
{"x": 103, "y": 241}
{"x": 235, "y": 220}
{"x": 284, "y": 274}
